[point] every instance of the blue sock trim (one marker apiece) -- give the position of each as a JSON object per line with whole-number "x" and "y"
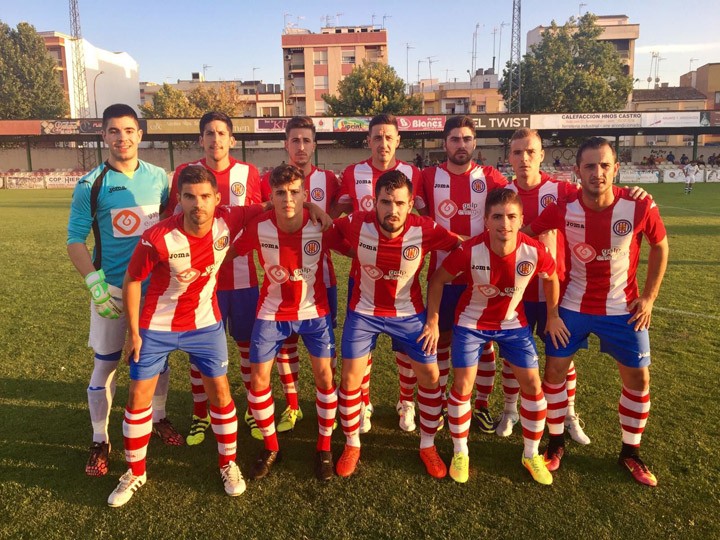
{"x": 110, "y": 357}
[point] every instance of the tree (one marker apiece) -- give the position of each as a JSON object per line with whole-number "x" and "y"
{"x": 372, "y": 88}
{"x": 170, "y": 102}
{"x": 29, "y": 87}
{"x": 571, "y": 71}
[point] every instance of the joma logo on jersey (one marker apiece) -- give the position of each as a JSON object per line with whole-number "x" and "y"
{"x": 126, "y": 222}
{"x": 312, "y": 247}
{"x": 221, "y": 243}
{"x": 317, "y": 194}
{"x": 411, "y": 253}
{"x": 525, "y": 268}
{"x": 622, "y": 227}
{"x": 574, "y": 225}
{"x": 277, "y": 274}
{"x": 478, "y": 186}
{"x": 479, "y": 267}
{"x": 367, "y": 246}
{"x": 238, "y": 189}
{"x": 362, "y": 182}
{"x": 547, "y": 200}
{"x": 117, "y": 188}
{"x": 268, "y": 245}
{"x": 444, "y": 186}
{"x": 178, "y": 255}
{"x": 188, "y": 276}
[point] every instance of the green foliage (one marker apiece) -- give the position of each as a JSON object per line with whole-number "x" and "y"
{"x": 571, "y": 71}
{"x": 29, "y": 87}
{"x": 372, "y": 88}
{"x": 170, "y": 102}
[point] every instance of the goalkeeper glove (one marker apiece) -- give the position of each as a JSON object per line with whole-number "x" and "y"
{"x": 105, "y": 304}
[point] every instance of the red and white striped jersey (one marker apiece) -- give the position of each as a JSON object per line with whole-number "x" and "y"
{"x": 602, "y": 249}
{"x": 357, "y": 184}
{"x": 292, "y": 289}
{"x": 493, "y": 298}
{"x": 322, "y": 187}
{"x": 535, "y": 200}
{"x": 387, "y": 270}
{"x": 238, "y": 185}
{"x": 457, "y": 201}
{"x": 183, "y": 269}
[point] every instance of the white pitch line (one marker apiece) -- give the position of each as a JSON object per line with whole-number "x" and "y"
{"x": 688, "y": 209}
{"x": 688, "y": 313}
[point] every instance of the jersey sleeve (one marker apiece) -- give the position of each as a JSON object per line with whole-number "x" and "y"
{"x": 143, "y": 259}
{"x": 346, "y": 179}
{"x": 495, "y": 178}
{"x": 550, "y": 218}
{"x": 546, "y": 264}
{"x": 457, "y": 261}
{"x": 254, "y": 189}
{"x": 654, "y": 227}
{"x": 248, "y": 239}
{"x": 80, "y": 220}
{"x": 441, "y": 238}
{"x": 333, "y": 240}
{"x": 265, "y": 190}
{"x": 333, "y": 188}
{"x": 417, "y": 182}
{"x": 241, "y": 216}
{"x": 173, "y": 205}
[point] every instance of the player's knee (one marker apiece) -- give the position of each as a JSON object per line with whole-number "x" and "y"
{"x": 556, "y": 369}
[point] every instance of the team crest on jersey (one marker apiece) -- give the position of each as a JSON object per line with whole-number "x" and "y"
{"x": 367, "y": 203}
{"x": 238, "y": 189}
{"x": 312, "y": 247}
{"x": 547, "y": 200}
{"x": 317, "y": 194}
{"x": 447, "y": 208}
{"x": 584, "y": 252}
{"x": 221, "y": 243}
{"x": 411, "y": 253}
{"x": 478, "y": 186}
{"x": 622, "y": 227}
{"x": 188, "y": 276}
{"x": 277, "y": 274}
{"x": 525, "y": 268}
{"x": 373, "y": 272}
{"x": 126, "y": 222}
{"x": 488, "y": 290}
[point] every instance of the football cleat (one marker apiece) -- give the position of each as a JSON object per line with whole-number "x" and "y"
{"x": 324, "y": 468}
{"x": 99, "y": 459}
{"x": 538, "y": 470}
{"x": 288, "y": 419}
{"x": 433, "y": 462}
{"x": 366, "y": 412}
{"x": 406, "y": 410}
{"x": 232, "y": 479}
{"x": 127, "y": 487}
{"x": 484, "y": 420}
{"x": 575, "y": 427}
{"x": 638, "y": 469}
{"x": 347, "y": 464}
{"x": 460, "y": 468}
{"x": 506, "y": 423}
{"x": 167, "y": 433}
{"x": 263, "y": 464}
{"x": 254, "y": 429}
{"x": 197, "y": 430}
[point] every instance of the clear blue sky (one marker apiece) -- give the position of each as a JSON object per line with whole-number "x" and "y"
{"x": 171, "y": 39}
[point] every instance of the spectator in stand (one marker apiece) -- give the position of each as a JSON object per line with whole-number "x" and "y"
{"x": 700, "y": 160}
{"x": 670, "y": 157}
{"x": 557, "y": 163}
{"x": 684, "y": 159}
{"x": 418, "y": 161}
{"x": 712, "y": 160}
{"x": 651, "y": 160}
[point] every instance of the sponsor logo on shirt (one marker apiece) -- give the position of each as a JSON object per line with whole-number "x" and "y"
{"x": 612, "y": 254}
{"x": 547, "y": 200}
{"x": 113, "y": 189}
{"x": 525, "y": 268}
{"x": 574, "y": 225}
{"x": 268, "y": 245}
{"x": 301, "y": 274}
{"x": 447, "y": 208}
{"x": 478, "y": 186}
{"x": 469, "y": 209}
{"x": 133, "y": 221}
{"x": 479, "y": 267}
{"x": 180, "y": 255}
{"x": 367, "y": 203}
{"x": 584, "y": 252}
{"x": 373, "y": 272}
{"x": 126, "y": 222}
{"x": 221, "y": 243}
{"x": 238, "y": 189}
{"x": 444, "y": 186}
{"x": 622, "y": 227}
{"x": 209, "y": 269}
{"x": 488, "y": 290}
{"x": 411, "y": 253}
{"x": 317, "y": 194}
{"x": 367, "y": 246}
{"x": 395, "y": 274}
{"x": 312, "y": 247}
{"x": 188, "y": 276}
{"x": 277, "y": 274}
{"x": 362, "y": 182}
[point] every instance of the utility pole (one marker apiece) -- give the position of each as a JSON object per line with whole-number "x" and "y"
{"x": 500, "y": 45}
{"x": 515, "y": 75}
{"x": 407, "y": 65}
{"x": 86, "y": 160}
{"x": 430, "y": 63}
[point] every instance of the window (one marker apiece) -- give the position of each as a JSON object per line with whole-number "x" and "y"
{"x": 321, "y": 82}
{"x": 717, "y": 100}
{"x": 320, "y": 57}
{"x": 320, "y": 107}
{"x": 271, "y": 111}
{"x": 481, "y": 108}
{"x": 348, "y": 57}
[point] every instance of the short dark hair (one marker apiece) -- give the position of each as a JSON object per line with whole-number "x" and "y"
{"x": 299, "y": 122}
{"x": 392, "y": 180}
{"x": 525, "y": 133}
{"x": 501, "y": 196}
{"x": 593, "y": 143}
{"x": 196, "y": 174}
{"x": 119, "y": 110}
{"x": 383, "y": 120}
{"x": 285, "y": 174}
{"x": 215, "y": 115}
{"x": 455, "y": 122}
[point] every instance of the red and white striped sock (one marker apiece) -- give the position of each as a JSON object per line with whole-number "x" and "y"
{"x": 244, "y": 349}
{"x": 326, "y": 405}
{"x": 511, "y": 388}
{"x": 459, "y": 415}
{"x": 407, "y": 377}
{"x": 137, "y": 428}
{"x": 485, "y": 378}
{"x": 443, "y": 362}
{"x": 224, "y": 425}
{"x": 430, "y": 406}
{"x": 365, "y": 384}
{"x": 633, "y": 409}
{"x": 262, "y": 407}
{"x": 556, "y": 396}
{"x": 349, "y": 407}
{"x": 533, "y": 410}
{"x": 287, "y": 365}
{"x": 198, "y": 393}
{"x": 571, "y": 382}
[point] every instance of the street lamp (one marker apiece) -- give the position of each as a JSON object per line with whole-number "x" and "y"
{"x": 95, "y": 93}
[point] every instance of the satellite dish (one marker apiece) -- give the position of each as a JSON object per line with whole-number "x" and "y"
{"x": 649, "y": 79}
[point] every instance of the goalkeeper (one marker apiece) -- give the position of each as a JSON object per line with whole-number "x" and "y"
{"x": 117, "y": 201}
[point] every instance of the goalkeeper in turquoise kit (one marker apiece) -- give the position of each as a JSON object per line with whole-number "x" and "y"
{"x": 117, "y": 201}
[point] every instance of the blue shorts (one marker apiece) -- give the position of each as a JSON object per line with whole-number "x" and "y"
{"x": 237, "y": 309}
{"x": 268, "y": 337}
{"x": 207, "y": 348}
{"x": 449, "y": 302}
{"x": 617, "y": 338}
{"x": 332, "y": 300}
{"x": 361, "y": 331}
{"x": 517, "y": 346}
{"x": 536, "y": 315}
